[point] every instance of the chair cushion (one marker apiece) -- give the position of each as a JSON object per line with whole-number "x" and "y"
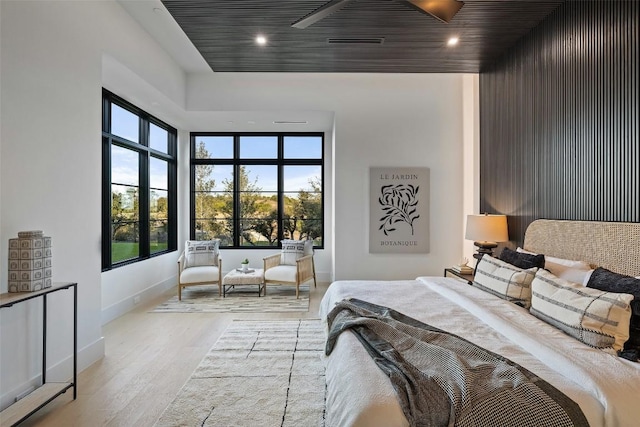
{"x": 201, "y": 252}
{"x": 199, "y": 274}
{"x": 294, "y": 249}
{"x": 281, "y": 273}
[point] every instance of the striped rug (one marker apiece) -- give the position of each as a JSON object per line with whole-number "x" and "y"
{"x": 242, "y": 299}
{"x": 259, "y": 373}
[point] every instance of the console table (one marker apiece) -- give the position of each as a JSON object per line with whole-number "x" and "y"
{"x": 47, "y": 392}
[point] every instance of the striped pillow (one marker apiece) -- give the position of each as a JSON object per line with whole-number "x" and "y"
{"x": 598, "y": 319}
{"x": 199, "y": 253}
{"x": 292, "y": 250}
{"x": 504, "y": 280}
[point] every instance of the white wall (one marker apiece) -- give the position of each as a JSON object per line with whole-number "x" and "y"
{"x": 51, "y": 79}
{"x": 471, "y": 161}
{"x": 380, "y": 120}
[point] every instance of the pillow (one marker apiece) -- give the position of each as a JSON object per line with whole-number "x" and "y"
{"x": 200, "y": 253}
{"x": 587, "y": 277}
{"x": 596, "y": 318}
{"x": 308, "y": 247}
{"x": 521, "y": 259}
{"x": 568, "y": 269}
{"x": 606, "y": 280}
{"x": 504, "y": 280}
{"x": 609, "y": 281}
{"x": 294, "y": 249}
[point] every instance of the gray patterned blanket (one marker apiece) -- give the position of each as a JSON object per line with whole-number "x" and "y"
{"x": 444, "y": 380}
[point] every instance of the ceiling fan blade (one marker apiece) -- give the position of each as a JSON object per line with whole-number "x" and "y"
{"x": 444, "y": 10}
{"x": 320, "y": 13}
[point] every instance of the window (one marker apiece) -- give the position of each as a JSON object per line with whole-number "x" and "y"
{"x": 139, "y": 211}
{"x": 253, "y": 190}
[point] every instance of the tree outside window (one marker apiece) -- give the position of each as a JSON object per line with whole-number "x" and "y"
{"x": 255, "y": 201}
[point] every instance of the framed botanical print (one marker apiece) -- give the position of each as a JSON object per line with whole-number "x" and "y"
{"x": 398, "y": 210}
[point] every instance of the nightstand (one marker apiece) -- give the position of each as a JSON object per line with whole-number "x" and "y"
{"x": 466, "y": 277}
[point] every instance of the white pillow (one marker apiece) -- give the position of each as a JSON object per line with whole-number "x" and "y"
{"x": 308, "y": 247}
{"x": 504, "y": 280}
{"x": 598, "y": 319}
{"x": 294, "y": 249}
{"x": 198, "y": 253}
{"x": 567, "y": 269}
{"x": 586, "y": 278}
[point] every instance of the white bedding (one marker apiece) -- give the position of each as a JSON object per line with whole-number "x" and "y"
{"x": 606, "y": 387}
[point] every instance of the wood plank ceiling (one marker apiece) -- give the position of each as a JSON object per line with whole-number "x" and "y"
{"x": 224, "y": 32}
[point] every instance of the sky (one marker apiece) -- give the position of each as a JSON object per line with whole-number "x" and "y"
{"x": 266, "y": 147}
{"x": 124, "y": 169}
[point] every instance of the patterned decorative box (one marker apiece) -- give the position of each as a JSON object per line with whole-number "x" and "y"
{"x": 30, "y": 262}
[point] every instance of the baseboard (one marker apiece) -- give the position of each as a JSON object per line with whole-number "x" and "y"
{"x": 90, "y": 354}
{"x": 9, "y": 397}
{"x": 323, "y": 277}
{"x": 87, "y": 356}
{"x": 124, "y": 306}
{"x": 59, "y": 372}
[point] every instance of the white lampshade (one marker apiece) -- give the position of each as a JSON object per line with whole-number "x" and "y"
{"x": 487, "y": 228}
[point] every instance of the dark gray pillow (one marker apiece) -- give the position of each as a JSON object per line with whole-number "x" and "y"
{"x": 608, "y": 281}
{"x": 521, "y": 259}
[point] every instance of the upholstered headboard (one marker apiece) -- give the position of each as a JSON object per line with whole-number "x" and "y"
{"x": 612, "y": 245}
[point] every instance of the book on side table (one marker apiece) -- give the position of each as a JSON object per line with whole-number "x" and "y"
{"x": 462, "y": 269}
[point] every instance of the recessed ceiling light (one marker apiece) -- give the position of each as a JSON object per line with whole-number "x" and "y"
{"x": 452, "y": 41}
{"x": 157, "y": 10}
{"x": 261, "y": 40}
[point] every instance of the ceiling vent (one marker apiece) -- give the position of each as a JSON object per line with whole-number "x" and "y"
{"x": 356, "y": 40}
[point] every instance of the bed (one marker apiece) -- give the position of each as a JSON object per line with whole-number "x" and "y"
{"x": 606, "y": 387}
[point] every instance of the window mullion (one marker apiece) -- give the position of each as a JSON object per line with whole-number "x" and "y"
{"x": 172, "y": 196}
{"x": 192, "y": 186}
{"x": 107, "y": 219}
{"x": 236, "y": 191}
{"x": 143, "y": 206}
{"x": 280, "y": 189}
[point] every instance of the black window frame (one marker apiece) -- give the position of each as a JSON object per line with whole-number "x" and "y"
{"x": 145, "y": 152}
{"x": 237, "y": 161}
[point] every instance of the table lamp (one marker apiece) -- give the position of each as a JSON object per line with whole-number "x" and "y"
{"x": 486, "y": 230}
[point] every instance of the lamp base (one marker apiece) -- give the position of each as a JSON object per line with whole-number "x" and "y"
{"x": 484, "y": 248}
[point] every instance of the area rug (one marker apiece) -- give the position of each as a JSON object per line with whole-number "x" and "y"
{"x": 258, "y": 373}
{"x": 243, "y": 299}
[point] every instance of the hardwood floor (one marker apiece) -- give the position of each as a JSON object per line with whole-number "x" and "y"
{"x": 148, "y": 358}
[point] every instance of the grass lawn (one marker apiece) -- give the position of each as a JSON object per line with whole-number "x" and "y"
{"x": 121, "y": 251}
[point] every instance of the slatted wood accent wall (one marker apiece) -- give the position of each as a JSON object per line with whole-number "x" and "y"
{"x": 559, "y": 134}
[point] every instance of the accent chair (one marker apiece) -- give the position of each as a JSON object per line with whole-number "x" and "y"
{"x": 293, "y": 266}
{"x": 200, "y": 264}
